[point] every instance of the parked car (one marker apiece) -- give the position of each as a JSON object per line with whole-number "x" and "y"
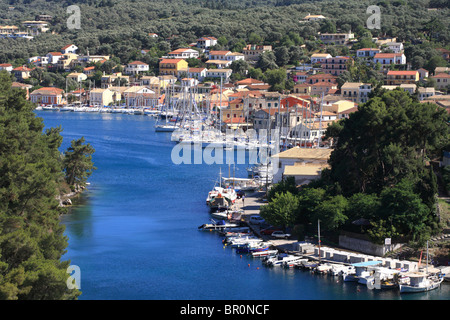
{"x": 268, "y": 231}
{"x": 280, "y": 235}
{"x": 256, "y": 220}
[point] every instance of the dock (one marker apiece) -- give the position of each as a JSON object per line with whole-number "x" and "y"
{"x": 251, "y": 206}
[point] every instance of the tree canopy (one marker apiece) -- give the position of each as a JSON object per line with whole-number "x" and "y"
{"x": 32, "y": 239}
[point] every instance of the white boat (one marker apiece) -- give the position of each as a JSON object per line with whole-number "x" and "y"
{"x": 341, "y": 270}
{"x": 362, "y": 271}
{"x": 221, "y": 225}
{"x": 227, "y": 215}
{"x": 280, "y": 259}
{"x": 324, "y": 268}
{"x": 239, "y": 242}
{"x": 66, "y": 108}
{"x": 294, "y": 262}
{"x": 166, "y": 127}
{"x": 264, "y": 253}
{"x": 420, "y": 282}
{"x": 50, "y": 108}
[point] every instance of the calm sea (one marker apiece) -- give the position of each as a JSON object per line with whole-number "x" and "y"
{"x": 134, "y": 235}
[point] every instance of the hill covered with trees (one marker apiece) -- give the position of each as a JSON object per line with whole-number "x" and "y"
{"x": 120, "y": 28}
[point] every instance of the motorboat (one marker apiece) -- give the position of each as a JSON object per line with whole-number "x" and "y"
{"x": 280, "y": 259}
{"x": 267, "y": 253}
{"x": 219, "y": 225}
{"x": 295, "y": 262}
{"x": 254, "y": 247}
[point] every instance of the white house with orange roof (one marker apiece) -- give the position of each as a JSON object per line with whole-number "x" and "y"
{"x": 6, "y": 66}
{"x": 205, "y": 43}
{"x": 136, "y": 67}
{"x": 386, "y": 59}
{"x": 183, "y": 53}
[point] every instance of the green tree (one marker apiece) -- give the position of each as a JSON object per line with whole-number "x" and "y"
{"x": 32, "y": 239}
{"x": 332, "y": 212}
{"x": 282, "y": 210}
{"x": 77, "y": 162}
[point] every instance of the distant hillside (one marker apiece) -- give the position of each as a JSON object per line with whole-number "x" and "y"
{"x": 114, "y": 26}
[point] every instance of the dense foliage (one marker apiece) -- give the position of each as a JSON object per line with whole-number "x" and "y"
{"x": 120, "y": 28}
{"x": 32, "y": 239}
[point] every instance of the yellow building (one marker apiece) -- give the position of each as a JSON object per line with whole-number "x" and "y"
{"x": 172, "y": 66}
{"x": 103, "y": 97}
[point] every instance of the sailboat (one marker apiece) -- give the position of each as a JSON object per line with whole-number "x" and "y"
{"x": 167, "y": 113}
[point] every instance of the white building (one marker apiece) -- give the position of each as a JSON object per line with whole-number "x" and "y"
{"x": 396, "y": 47}
{"x": 71, "y": 48}
{"x": 183, "y": 53}
{"x": 304, "y": 164}
{"x": 136, "y": 67}
{"x": 320, "y": 57}
{"x": 205, "y": 43}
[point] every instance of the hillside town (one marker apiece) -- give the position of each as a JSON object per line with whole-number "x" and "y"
{"x": 340, "y": 134}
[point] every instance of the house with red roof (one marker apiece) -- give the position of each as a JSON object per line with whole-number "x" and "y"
{"x": 71, "y": 48}
{"x": 47, "y": 96}
{"x": 136, "y": 67}
{"x": 183, "y": 53}
{"x": 6, "y": 66}
{"x": 386, "y": 59}
{"x": 53, "y": 57}
{"x": 172, "y": 66}
{"x": 394, "y": 77}
{"x": 21, "y": 73}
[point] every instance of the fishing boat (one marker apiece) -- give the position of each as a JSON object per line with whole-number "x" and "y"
{"x": 420, "y": 282}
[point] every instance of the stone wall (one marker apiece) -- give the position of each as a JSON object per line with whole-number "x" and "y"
{"x": 366, "y": 246}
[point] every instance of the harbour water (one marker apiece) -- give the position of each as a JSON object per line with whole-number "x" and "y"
{"x": 134, "y": 234}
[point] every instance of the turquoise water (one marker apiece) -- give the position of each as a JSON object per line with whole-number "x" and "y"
{"x": 134, "y": 235}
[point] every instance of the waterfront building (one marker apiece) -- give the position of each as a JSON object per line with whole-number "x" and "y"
{"x": 304, "y": 164}
{"x": 47, "y": 96}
